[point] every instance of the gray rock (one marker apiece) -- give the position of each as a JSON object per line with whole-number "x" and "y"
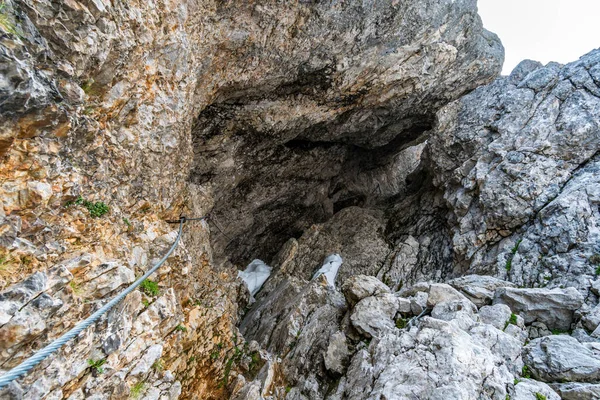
{"x": 358, "y": 287}
{"x": 460, "y": 312}
{"x": 419, "y": 362}
{"x": 374, "y": 315}
{"x": 497, "y": 315}
{"x": 337, "y": 354}
{"x": 441, "y": 292}
{"x": 577, "y": 391}
{"x": 478, "y": 288}
{"x": 527, "y": 389}
{"x": 148, "y": 359}
{"x": 561, "y": 358}
{"x": 591, "y": 319}
{"x": 537, "y": 330}
{"x": 553, "y": 307}
{"x": 418, "y": 302}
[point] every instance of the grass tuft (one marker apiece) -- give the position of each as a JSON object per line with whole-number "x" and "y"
{"x": 96, "y": 365}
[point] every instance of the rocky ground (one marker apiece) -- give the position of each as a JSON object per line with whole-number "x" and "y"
{"x": 465, "y": 206}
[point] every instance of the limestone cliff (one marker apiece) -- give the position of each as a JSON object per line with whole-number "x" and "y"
{"x": 363, "y": 128}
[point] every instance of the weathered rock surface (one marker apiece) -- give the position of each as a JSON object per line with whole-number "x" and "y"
{"x": 561, "y": 358}
{"x": 577, "y": 391}
{"x": 553, "y": 307}
{"x": 517, "y": 161}
{"x": 529, "y": 389}
{"x": 467, "y": 225}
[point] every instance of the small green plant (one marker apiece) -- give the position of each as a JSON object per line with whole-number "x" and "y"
{"x": 75, "y": 287}
{"x": 525, "y": 372}
{"x": 158, "y": 365}
{"x": 512, "y": 320}
{"x": 516, "y": 381}
{"x": 598, "y": 270}
{"x": 539, "y": 396}
{"x": 96, "y": 209}
{"x": 558, "y": 332}
{"x": 401, "y": 323}
{"x": 137, "y": 390}
{"x": 513, "y": 251}
{"x": 150, "y": 288}
{"x": 507, "y": 397}
{"x": 180, "y": 328}
{"x": 288, "y": 389}
{"x": 145, "y": 303}
{"x": 96, "y": 365}
{"x": 191, "y": 359}
{"x": 254, "y": 361}
{"x": 127, "y": 222}
{"x": 87, "y": 85}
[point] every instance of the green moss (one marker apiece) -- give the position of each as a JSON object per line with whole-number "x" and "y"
{"x": 525, "y": 372}
{"x": 559, "y": 332}
{"x": 288, "y": 389}
{"x": 127, "y": 222}
{"x": 96, "y": 365}
{"x": 539, "y": 396}
{"x": 150, "y": 288}
{"x": 145, "y": 302}
{"x": 180, "y": 328}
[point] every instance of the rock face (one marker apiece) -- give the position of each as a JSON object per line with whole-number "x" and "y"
{"x": 552, "y": 307}
{"x": 467, "y": 223}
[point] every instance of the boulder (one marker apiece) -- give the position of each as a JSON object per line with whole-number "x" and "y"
{"x": 561, "y": 358}
{"x": 577, "y": 391}
{"x": 529, "y": 389}
{"x": 553, "y": 307}
{"x": 373, "y": 315}
{"x": 358, "y": 287}
{"x": 479, "y": 288}
{"x": 441, "y": 292}
{"x": 497, "y": 315}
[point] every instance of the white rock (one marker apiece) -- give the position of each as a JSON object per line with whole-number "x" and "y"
{"x": 527, "y": 389}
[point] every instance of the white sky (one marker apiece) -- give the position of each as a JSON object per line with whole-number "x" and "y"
{"x": 543, "y": 30}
